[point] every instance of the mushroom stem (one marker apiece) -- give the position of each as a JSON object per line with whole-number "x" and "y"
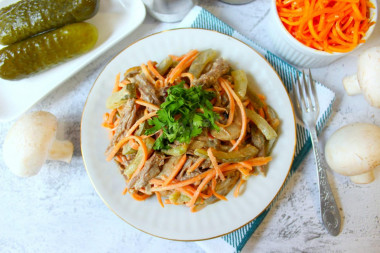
{"x": 61, "y": 151}
{"x": 351, "y": 85}
{"x": 364, "y": 178}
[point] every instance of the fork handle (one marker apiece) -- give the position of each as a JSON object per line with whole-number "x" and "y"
{"x": 329, "y": 210}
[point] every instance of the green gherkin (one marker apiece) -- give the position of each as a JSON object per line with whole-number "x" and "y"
{"x": 29, "y": 17}
{"x": 45, "y": 50}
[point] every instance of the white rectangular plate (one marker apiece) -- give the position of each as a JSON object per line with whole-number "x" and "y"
{"x": 114, "y": 20}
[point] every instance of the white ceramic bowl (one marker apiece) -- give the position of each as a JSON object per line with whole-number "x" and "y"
{"x": 298, "y": 54}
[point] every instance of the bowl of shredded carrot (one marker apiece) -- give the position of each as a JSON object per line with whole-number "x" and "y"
{"x": 314, "y": 33}
{"x": 185, "y": 129}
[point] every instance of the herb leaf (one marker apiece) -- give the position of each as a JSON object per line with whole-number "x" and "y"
{"x": 180, "y": 117}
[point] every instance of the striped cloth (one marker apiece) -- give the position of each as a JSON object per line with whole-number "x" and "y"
{"x": 201, "y": 18}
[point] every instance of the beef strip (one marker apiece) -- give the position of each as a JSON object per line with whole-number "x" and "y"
{"x": 147, "y": 91}
{"x": 219, "y": 68}
{"x": 149, "y": 171}
{"x": 128, "y": 117}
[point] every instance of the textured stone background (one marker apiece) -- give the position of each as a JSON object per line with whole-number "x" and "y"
{"x": 59, "y": 211}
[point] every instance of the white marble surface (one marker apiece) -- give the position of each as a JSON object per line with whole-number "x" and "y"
{"x": 59, "y": 211}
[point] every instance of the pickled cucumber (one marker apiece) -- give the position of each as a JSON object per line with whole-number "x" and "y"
{"x": 29, "y": 17}
{"x": 40, "y": 52}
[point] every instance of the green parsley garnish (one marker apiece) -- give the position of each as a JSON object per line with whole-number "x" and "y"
{"x": 179, "y": 116}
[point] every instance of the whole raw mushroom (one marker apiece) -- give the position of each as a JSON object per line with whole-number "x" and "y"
{"x": 354, "y": 151}
{"x": 366, "y": 81}
{"x": 31, "y": 141}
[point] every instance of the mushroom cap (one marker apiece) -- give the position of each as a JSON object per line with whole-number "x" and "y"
{"x": 369, "y": 75}
{"x": 354, "y": 149}
{"x": 27, "y": 143}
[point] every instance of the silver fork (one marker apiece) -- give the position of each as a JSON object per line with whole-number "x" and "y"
{"x": 307, "y": 107}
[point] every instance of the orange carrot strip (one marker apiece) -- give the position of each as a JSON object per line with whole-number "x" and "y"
{"x": 246, "y": 165}
{"x": 186, "y": 191}
{"x": 139, "y": 197}
{"x": 224, "y": 167}
{"x": 243, "y": 114}
{"x": 357, "y": 12}
{"x": 182, "y": 65}
{"x": 185, "y": 182}
{"x": 145, "y": 153}
{"x": 116, "y": 86}
{"x": 133, "y": 144}
{"x": 199, "y": 189}
{"x": 199, "y": 161}
{"x": 219, "y": 196}
{"x": 219, "y": 109}
{"x": 156, "y": 181}
{"x": 125, "y": 191}
{"x": 158, "y": 195}
{"x": 147, "y": 74}
{"x": 232, "y": 106}
{"x": 188, "y": 75}
{"x": 244, "y": 171}
{"x": 128, "y": 135}
{"x": 237, "y": 189}
{"x": 258, "y": 161}
{"x": 147, "y": 104}
{"x": 176, "y": 170}
{"x": 112, "y": 116}
{"x": 154, "y": 71}
{"x": 215, "y": 163}
{"x": 176, "y": 58}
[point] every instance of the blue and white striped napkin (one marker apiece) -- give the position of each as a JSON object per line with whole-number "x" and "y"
{"x": 201, "y": 18}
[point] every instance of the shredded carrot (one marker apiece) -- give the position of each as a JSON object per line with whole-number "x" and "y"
{"x": 138, "y": 122}
{"x": 258, "y": 161}
{"x": 195, "y": 165}
{"x": 215, "y": 163}
{"x": 219, "y": 109}
{"x": 261, "y": 112}
{"x": 242, "y": 111}
{"x": 237, "y": 189}
{"x": 176, "y": 58}
{"x": 184, "y": 182}
{"x": 232, "y": 105}
{"x": 244, "y": 171}
{"x": 139, "y": 197}
{"x": 188, "y": 75}
{"x": 147, "y": 74}
{"x": 125, "y": 191}
{"x": 158, "y": 195}
{"x": 176, "y": 170}
{"x": 159, "y": 83}
{"x": 182, "y": 65}
{"x": 128, "y": 135}
{"x": 116, "y": 86}
{"x": 246, "y": 102}
{"x": 326, "y": 25}
{"x": 154, "y": 71}
{"x": 199, "y": 189}
{"x": 261, "y": 97}
{"x": 111, "y": 116}
{"x": 186, "y": 191}
{"x": 219, "y": 196}
{"x": 133, "y": 144}
{"x": 125, "y": 140}
{"x": 147, "y": 104}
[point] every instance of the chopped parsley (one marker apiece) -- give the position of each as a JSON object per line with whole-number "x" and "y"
{"x": 179, "y": 116}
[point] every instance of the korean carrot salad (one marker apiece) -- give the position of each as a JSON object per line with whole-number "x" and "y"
{"x": 188, "y": 129}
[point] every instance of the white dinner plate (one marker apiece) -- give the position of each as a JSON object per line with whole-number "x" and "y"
{"x": 177, "y": 222}
{"x": 114, "y": 20}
